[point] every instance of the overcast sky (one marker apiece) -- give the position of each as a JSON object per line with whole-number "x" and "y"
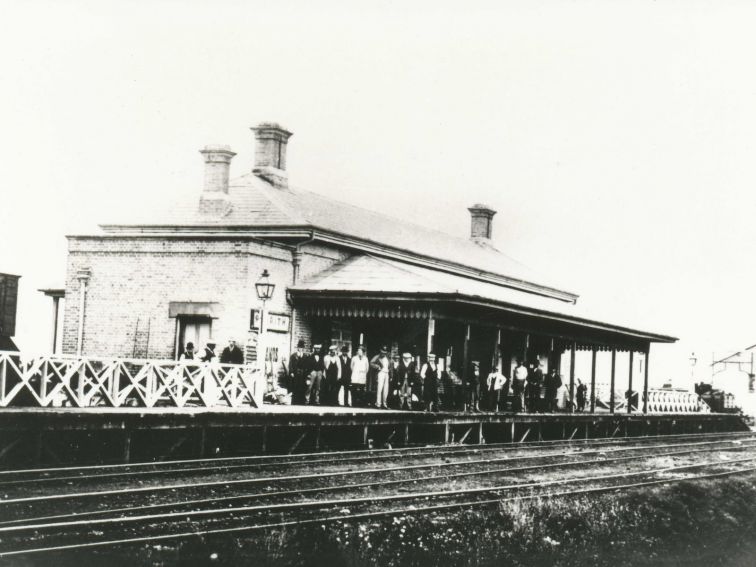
{"x": 616, "y": 139}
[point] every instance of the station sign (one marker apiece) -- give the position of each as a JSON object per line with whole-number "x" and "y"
{"x": 275, "y": 322}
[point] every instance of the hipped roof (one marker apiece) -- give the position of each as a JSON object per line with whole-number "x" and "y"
{"x": 254, "y": 203}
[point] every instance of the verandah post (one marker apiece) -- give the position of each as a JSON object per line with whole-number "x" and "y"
{"x": 593, "y": 380}
{"x": 572, "y": 376}
{"x": 630, "y": 384}
{"x": 466, "y": 358}
{"x": 611, "y": 386}
{"x": 645, "y": 381}
{"x": 431, "y": 332}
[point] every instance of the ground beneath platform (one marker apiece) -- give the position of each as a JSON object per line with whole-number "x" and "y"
{"x": 51, "y": 436}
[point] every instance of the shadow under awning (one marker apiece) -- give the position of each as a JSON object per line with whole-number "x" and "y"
{"x": 193, "y": 308}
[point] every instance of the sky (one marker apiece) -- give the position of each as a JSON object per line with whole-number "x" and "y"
{"x": 615, "y": 139}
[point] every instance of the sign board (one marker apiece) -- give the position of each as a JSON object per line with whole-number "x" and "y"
{"x": 276, "y": 322}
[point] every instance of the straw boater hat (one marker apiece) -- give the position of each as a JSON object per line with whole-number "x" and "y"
{"x": 332, "y": 348}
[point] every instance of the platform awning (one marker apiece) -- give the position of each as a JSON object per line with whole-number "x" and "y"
{"x": 370, "y": 278}
{"x": 193, "y": 309}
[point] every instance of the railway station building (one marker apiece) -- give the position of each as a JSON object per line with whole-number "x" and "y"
{"x": 343, "y": 275}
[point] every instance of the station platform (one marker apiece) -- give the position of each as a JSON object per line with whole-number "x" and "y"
{"x": 59, "y": 436}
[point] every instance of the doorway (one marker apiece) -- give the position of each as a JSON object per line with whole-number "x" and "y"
{"x": 193, "y": 329}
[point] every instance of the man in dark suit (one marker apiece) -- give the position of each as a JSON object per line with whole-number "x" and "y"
{"x": 404, "y": 378}
{"x": 298, "y": 370}
{"x": 346, "y": 375}
{"x": 315, "y": 369}
{"x": 232, "y": 354}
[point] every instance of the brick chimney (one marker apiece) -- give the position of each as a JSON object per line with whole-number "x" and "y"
{"x": 270, "y": 153}
{"x": 214, "y": 197}
{"x": 481, "y": 218}
{"x": 217, "y": 163}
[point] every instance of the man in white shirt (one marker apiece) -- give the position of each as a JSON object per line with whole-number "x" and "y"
{"x": 381, "y": 364}
{"x": 360, "y": 367}
{"x": 518, "y": 386}
{"x": 498, "y": 389}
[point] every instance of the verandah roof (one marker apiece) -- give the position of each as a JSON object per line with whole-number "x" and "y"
{"x": 365, "y": 276}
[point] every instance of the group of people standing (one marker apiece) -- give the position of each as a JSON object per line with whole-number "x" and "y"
{"x": 531, "y": 390}
{"x": 231, "y": 354}
{"x": 400, "y": 382}
{"x": 341, "y": 379}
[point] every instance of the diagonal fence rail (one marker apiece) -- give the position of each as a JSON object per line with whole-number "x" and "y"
{"x": 83, "y": 381}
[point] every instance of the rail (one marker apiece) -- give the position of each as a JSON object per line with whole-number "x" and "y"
{"x": 83, "y": 381}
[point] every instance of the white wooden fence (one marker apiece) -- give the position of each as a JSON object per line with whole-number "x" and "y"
{"x": 671, "y": 401}
{"x": 80, "y": 381}
{"x": 659, "y": 401}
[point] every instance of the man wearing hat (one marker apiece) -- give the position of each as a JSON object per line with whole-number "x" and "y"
{"x": 298, "y": 374}
{"x": 404, "y": 377}
{"x": 315, "y": 375}
{"x": 346, "y": 376}
{"x": 332, "y": 374}
{"x": 381, "y": 365}
{"x": 359, "y": 367}
{"x": 473, "y": 386}
{"x": 430, "y": 375}
{"x": 209, "y": 355}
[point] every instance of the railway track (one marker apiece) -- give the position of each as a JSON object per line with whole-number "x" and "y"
{"x": 249, "y": 463}
{"x": 282, "y": 501}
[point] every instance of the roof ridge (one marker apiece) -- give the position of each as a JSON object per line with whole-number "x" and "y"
{"x": 492, "y": 248}
{"x": 270, "y": 193}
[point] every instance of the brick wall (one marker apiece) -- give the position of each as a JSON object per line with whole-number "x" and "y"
{"x": 315, "y": 259}
{"x": 133, "y": 280}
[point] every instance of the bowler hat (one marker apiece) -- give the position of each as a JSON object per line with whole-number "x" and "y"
{"x": 300, "y": 343}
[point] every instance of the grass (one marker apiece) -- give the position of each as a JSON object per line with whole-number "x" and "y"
{"x": 709, "y": 523}
{"x": 702, "y": 523}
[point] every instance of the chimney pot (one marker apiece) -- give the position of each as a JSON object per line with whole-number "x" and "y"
{"x": 481, "y": 217}
{"x": 217, "y": 164}
{"x": 270, "y": 152}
